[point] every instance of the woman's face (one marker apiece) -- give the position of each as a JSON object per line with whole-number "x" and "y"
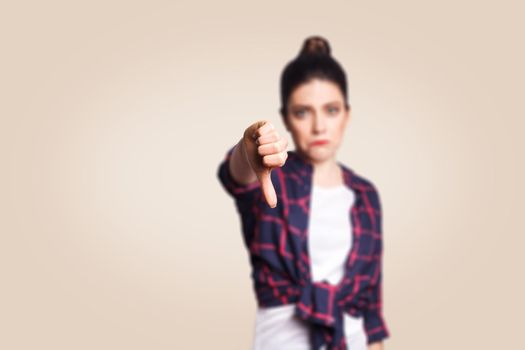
{"x": 317, "y": 119}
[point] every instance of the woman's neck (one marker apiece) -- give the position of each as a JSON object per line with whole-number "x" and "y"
{"x": 327, "y": 173}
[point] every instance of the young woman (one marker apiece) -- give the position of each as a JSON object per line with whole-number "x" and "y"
{"x": 312, "y": 226}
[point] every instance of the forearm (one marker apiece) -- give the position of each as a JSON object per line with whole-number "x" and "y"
{"x": 376, "y": 346}
{"x": 240, "y": 168}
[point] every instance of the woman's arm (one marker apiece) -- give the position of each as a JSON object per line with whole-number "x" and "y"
{"x": 259, "y": 151}
{"x": 378, "y": 345}
{"x": 240, "y": 168}
{"x": 375, "y": 325}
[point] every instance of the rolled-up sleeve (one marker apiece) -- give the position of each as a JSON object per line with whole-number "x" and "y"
{"x": 375, "y": 325}
{"x": 240, "y": 192}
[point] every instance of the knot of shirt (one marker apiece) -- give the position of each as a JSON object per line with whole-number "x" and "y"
{"x": 319, "y": 304}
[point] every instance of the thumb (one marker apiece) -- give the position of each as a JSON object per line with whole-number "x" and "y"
{"x": 267, "y": 188}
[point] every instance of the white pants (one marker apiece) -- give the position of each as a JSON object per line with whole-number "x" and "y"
{"x": 277, "y": 328}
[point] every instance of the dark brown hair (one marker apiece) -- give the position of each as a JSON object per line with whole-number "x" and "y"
{"x": 313, "y": 61}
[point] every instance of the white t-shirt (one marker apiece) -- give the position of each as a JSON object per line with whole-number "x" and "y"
{"x": 329, "y": 242}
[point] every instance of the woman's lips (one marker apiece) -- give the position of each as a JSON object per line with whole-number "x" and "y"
{"x": 319, "y": 143}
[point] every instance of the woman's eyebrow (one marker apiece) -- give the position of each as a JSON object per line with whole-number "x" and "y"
{"x": 299, "y": 105}
{"x": 332, "y": 102}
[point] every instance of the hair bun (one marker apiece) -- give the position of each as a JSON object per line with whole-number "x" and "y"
{"x": 316, "y": 45}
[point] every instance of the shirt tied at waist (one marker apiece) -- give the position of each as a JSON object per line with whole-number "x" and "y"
{"x": 319, "y": 305}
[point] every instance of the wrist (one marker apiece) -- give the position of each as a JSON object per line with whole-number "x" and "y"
{"x": 242, "y": 150}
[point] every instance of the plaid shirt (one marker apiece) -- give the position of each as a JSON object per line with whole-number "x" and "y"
{"x": 276, "y": 239}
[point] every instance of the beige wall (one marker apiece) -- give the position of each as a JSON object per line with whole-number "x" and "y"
{"x": 115, "y": 232}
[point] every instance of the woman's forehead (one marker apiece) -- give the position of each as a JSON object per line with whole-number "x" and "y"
{"x": 316, "y": 92}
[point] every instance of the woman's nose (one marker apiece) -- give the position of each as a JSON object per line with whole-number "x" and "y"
{"x": 319, "y": 123}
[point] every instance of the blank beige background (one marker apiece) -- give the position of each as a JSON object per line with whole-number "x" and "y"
{"x": 115, "y": 232}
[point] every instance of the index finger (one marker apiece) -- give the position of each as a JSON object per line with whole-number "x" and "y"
{"x": 267, "y": 127}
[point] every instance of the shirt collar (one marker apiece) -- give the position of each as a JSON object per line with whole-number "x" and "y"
{"x": 297, "y": 164}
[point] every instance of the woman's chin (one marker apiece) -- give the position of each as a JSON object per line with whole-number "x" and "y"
{"x": 320, "y": 153}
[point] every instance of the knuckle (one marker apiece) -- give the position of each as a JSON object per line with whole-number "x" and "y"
{"x": 285, "y": 157}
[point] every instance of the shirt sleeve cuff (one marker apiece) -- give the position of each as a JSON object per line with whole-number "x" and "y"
{"x": 375, "y": 327}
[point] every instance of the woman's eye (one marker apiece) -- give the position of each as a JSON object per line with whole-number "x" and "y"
{"x": 333, "y": 110}
{"x": 299, "y": 113}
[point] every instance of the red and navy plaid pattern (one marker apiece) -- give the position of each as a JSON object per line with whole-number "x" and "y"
{"x": 276, "y": 239}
